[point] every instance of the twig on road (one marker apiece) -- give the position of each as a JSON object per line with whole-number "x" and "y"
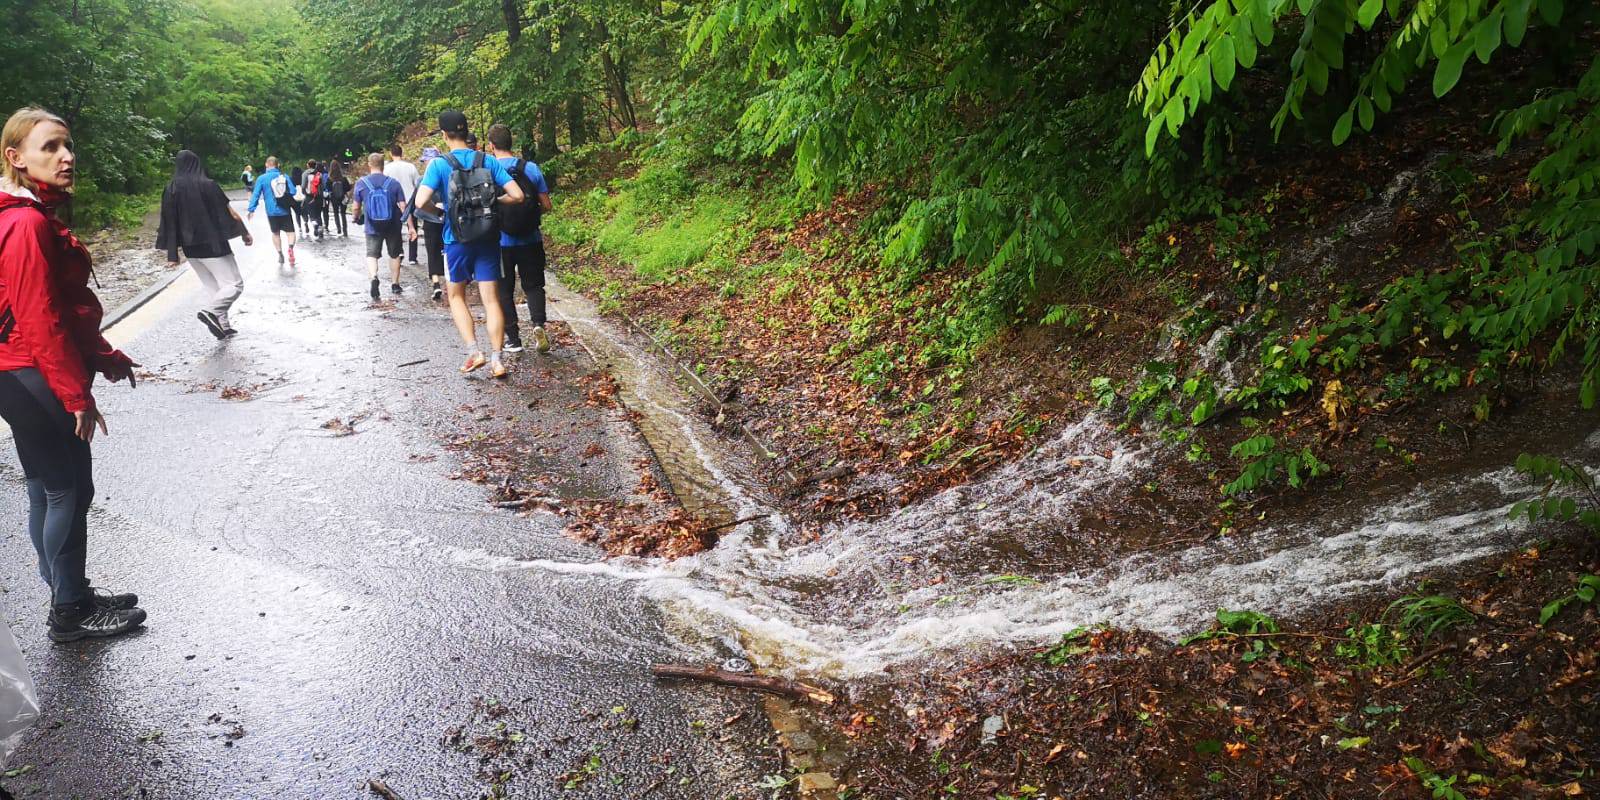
{"x": 761, "y": 683}
{"x": 413, "y": 363}
{"x": 381, "y": 789}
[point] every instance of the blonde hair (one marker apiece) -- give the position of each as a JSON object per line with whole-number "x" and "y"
{"x": 17, "y": 128}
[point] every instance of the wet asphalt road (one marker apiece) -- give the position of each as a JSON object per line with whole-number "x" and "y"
{"x": 311, "y": 621}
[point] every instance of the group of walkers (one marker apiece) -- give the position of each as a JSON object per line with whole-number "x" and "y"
{"x": 479, "y": 216}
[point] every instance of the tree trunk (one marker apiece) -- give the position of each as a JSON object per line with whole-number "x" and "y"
{"x": 513, "y": 14}
{"x": 577, "y": 127}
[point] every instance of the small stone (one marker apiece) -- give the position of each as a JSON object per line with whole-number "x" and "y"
{"x": 798, "y": 742}
{"x": 817, "y": 782}
{"x": 802, "y": 762}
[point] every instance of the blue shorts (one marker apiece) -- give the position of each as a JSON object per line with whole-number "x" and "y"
{"x": 472, "y": 262}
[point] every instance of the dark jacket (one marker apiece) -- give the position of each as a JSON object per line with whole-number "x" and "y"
{"x": 194, "y": 213}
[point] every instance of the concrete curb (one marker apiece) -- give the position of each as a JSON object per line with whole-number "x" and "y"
{"x": 705, "y": 392}
{"x": 141, "y": 298}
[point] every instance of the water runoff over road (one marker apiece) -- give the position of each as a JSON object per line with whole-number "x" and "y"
{"x": 1010, "y": 560}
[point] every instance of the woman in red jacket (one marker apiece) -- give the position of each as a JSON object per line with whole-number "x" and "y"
{"x": 50, "y": 348}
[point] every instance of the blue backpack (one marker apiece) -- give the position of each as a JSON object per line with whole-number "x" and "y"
{"x": 379, "y": 209}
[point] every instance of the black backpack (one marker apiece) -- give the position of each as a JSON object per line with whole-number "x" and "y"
{"x": 473, "y": 217}
{"x": 522, "y": 219}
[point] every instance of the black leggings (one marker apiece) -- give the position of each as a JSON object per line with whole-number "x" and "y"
{"x": 60, "y": 478}
{"x": 433, "y": 240}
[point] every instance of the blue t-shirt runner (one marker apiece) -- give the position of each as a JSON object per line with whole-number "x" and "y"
{"x": 463, "y": 262}
{"x": 535, "y": 176}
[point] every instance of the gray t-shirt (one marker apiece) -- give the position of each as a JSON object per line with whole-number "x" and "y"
{"x": 405, "y": 173}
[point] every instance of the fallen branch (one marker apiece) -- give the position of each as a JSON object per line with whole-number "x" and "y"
{"x": 413, "y": 363}
{"x": 381, "y": 789}
{"x": 783, "y": 687}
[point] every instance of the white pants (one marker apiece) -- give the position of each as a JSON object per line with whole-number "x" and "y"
{"x": 222, "y": 281}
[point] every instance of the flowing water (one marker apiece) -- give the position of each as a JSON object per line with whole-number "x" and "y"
{"x": 1013, "y": 559}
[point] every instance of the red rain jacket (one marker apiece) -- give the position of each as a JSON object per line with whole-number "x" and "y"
{"x": 49, "y": 317}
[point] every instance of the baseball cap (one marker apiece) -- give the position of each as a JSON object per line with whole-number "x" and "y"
{"x": 453, "y": 122}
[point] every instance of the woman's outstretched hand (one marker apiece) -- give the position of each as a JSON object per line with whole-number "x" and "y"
{"x": 84, "y": 423}
{"x": 119, "y": 371}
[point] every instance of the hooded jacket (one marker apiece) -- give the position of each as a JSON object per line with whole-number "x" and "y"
{"x": 49, "y": 318}
{"x": 194, "y": 213}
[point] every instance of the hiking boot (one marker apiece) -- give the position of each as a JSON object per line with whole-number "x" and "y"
{"x": 473, "y": 362}
{"x": 394, "y": 288}
{"x": 213, "y": 324}
{"x": 70, "y": 623}
{"x": 541, "y": 340}
{"x": 115, "y": 601}
{"x": 513, "y": 344}
{"x": 375, "y": 293}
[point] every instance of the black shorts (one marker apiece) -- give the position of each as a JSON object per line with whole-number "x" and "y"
{"x": 283, "y": 224}
{"x": 375, "y": 244}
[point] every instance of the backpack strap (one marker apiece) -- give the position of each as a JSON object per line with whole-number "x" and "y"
{"x": 477, "y": 160}
{"x": 450, "y": 158}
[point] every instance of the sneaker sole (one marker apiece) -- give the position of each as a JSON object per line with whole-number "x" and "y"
{"x": 513, "y": 348}
{"x": 216, "y": 329}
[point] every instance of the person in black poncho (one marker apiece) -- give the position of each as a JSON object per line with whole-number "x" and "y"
{"x": 196, "y": 218}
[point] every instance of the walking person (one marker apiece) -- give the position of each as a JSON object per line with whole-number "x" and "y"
{"x": 196, "y": 217}
{"x": 466, "y": 187}
{"x": 338, "y": 198}
{"x": 379, "y": 199}
{"x": 297, "y": 175}
{"x": 432, "y": 226}
{"x": 311, "y": 193}
{"x": 522, "y": 243}
{"x": 278, "y": 192}
{"x": 406, "y": 173}
{"x": 248, "y": 177}
{"x": 50, "y": 348}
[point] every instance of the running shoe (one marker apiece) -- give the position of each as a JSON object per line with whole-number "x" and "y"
{"x": 230, "y": 332}
{"x": 280, "y": 258}
{"x": 541, "y": 340}
{"x": 69, "y": 624}
{"x": 213, "y": 323}
{"x": 497, "y": 369}
{"x": 116, "y": 601}
{"x": 513, "y": 344}
{"x": 291, "y": 255}
{"x": 438, "y": 292}
{"x": 394, "y": 288}
{"x": 473, "y": 362}
{"x": 375, "y": 293}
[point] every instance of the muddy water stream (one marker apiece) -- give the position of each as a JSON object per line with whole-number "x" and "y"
{"x": 944, "y": 575}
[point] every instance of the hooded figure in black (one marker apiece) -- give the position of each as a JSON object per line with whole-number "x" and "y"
{"x": 197, "y": 218}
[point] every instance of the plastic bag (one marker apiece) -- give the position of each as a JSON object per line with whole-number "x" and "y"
{"x": 19, "y": 707}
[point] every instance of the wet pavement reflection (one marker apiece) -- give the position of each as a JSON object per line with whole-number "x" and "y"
{"x": 282, "y": 504}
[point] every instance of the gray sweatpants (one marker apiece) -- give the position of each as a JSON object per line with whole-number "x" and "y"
{"x": 221, "y": 278}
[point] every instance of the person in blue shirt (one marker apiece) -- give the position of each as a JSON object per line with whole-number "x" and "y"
{"x": 522, "y": 253}
{"x": 270, "y": 185}
{"x": 381, "y": 201}
{"x": 469, "y": 261}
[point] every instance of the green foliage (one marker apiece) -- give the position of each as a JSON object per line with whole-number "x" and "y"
{"x": 1441, "y": 788}
{"x": 1555, "y": 474}
{"x": 1073, "y": 643}
{"x": 1267, "y": 464}
{"x": 1233, "y": 624}
{"x": 1429, "y": 614}
{"x": 1201, "y": 54}
{"x": 1373, "y": 645}
{"x": 1588, "y": 588}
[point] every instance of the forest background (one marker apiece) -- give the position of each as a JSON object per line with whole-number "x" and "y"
{"x": 1029, "y": 158}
